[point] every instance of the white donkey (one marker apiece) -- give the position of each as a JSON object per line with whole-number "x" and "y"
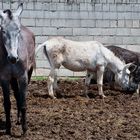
{"x": 89, "y": 56}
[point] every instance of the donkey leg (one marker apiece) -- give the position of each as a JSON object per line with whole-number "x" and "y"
{"x": 51, "y": 81}
{"x": 30, "y": 74}
{"x": 137, "y": 94}
{"x": 100, "y": 73}
{"x": 14, "y": 85}
{"x": 7, "y": 105}
{"x": 87, "y": 82}
{"x": 23, "y": 82}
{"x": 55, "y": 81}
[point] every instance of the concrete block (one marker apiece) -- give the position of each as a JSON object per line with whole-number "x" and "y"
{"x": 105, "y": 7}
{"x": 42, "y": 22}
{"x": 90, "y": 7}
{"x": 53, "y": 7}
{"x": 123, "y": 46}
{"x": 42, "y": 63}
{"x": 129, "y": 40}
{"x": 94, "y": 31}
{"x": 38, "y": 6}
{"x": 40, "y": 55}
{"x": 84, "y": 15}
{"x": 83, "y": 6}
{"x": 98, "y": 7}
{"x": 36, "y": 30}
{"x": 51, "y": 15}
{"x": 68, "y": 15}
{"x": 30, "y": 5}
{"x": 49, "y": 31}
{"x": 121, "y": 23}
{"x": 118, "y": 40}
{"x": 136, "y": 24}
{"x": 135, "y": 32}
{"x": 60, "y": 6}
{"x": 6, "y": 5}
{"x": 75, "y": 7}
{"x": 135, "y": 15}
{"x": 135, "y": 48}
{"x": 41, "y": 72}
{"x": 79, "y": 74}
{"x": 45, "y": 6}
{"x": 112, "y": 7}
{"x": 118, "y": 1}
{"x": 40, "y": 39}
{"x": 95, "y": 15}
{"x": 113, "y": 23}
{"x": 65, "y": 72}
{"x": 103, "y": 1}
{"x": 73, "y": 23}
{"x": 123, "y": 31}
{"x": 80, "y": 31}
{"x": 102, "y": 23}
{"x": 87, "y": 23}
{"x": 37, "y": 14}
{"x": 133, "y": 1}
{"x": 1, "y": 6}
{"x": 110, "y": 1}
{"x": 68, "y": 7}
{"x": 85, "y": 38}
{"x": 58, "y": 22}
{"x": 136, "y": 7}
{"x": 106, "y": 40}
{"x": 14, "y": 5}
{"x": 128, "y": 23}
{"x": 122, "y": 15}
{"x": 109, "y": 31}
{"x": 30, "y": 22}
{"x": 124, "y": 7}
{"x": 109, "y": 15}
{"x": 64, "y": 31}
{"x": 128, "y": 7}
{"x": 25, "y": 14}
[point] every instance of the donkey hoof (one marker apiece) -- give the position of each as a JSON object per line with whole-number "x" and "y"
{"x": 102, "y": 96}
{"x": 18, "y": 123}
{"x": 24, "y": 134}
{"x": 52, "y": 97}
{"x": 8, "y": 132}
{"x": 86, "y": 96}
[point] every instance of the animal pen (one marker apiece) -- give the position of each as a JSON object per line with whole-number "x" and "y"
{"x": 72, "y": 115}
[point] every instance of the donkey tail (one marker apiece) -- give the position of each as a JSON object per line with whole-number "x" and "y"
{"x": 44, "y": 45}
{"x": 40, "y": 46}
{"x": 47, "y": 55}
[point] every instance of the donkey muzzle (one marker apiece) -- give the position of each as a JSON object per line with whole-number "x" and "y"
{"x": 12, "y": 59}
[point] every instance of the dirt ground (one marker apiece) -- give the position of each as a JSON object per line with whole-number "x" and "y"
{"x": 74, "y": 117}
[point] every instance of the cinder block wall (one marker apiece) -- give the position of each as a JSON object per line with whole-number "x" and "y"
{"x": 108, "y": 21}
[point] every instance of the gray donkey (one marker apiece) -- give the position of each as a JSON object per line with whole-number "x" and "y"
{"x": 17, "y": 45}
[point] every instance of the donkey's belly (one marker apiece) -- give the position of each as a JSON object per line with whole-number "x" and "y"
{"x": 76, "y": 66}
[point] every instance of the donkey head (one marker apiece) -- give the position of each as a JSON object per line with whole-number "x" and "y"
{"x": 11, "y": 32}
{"x": 123, "y": 77}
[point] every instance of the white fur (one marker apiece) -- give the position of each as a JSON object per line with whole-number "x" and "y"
{"x": 89, "y": 56}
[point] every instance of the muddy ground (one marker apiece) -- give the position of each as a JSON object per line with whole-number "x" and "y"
{"x": 74, "y": 117}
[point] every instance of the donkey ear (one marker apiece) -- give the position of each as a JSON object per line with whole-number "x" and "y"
{"x": 132, "y": 67}
{"x": 19, "y": 10}
{"x": 2, "y": 14}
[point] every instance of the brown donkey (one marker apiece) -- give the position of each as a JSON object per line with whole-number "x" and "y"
{"x": 17, "y": 45}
